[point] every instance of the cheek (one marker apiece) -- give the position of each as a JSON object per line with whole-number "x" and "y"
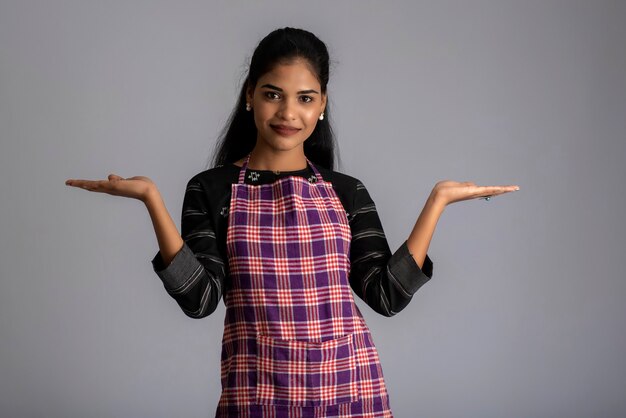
{"x": 261, "y": 115}
{"x": 311, "y": 117}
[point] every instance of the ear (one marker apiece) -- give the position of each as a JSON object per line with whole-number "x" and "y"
{"x": 323, "y": 104}
{"x": 249, "y": 94}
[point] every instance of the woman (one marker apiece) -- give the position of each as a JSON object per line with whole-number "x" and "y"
{"x": 285, "y": 239}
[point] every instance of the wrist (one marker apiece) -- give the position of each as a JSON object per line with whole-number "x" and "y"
{"x": 151, "y": 196}
{"x": 436, "y": 201}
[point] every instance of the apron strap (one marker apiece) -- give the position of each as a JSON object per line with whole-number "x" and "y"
{"x": 244, "y": 166}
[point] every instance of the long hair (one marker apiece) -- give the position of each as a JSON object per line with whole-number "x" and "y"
{"x": 238, "y": 137}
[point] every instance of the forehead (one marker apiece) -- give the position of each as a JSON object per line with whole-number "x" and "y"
{"x": 294, "y": 74}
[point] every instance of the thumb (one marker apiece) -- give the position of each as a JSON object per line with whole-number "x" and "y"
{"x": 115, "y": 177}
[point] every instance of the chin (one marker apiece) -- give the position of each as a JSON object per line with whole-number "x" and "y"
{"x": 285, "y": 144}
{"x": 286, "y": 147}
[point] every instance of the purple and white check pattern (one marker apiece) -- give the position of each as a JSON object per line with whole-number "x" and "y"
{"x": 295, "y": 344}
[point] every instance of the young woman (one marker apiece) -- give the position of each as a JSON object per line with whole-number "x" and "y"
{"x": 286, "y": 240}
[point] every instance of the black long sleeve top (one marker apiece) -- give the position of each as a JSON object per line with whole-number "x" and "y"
{"x": 197, "y": 277}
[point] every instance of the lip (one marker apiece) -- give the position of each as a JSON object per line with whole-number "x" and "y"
{"x": 284, "y": 130}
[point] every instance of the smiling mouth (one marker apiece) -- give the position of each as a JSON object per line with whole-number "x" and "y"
{"x": 284, "y": 130}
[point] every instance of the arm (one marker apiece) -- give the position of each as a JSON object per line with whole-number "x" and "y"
{"x": 190, "y": 265}
{"x": 422, "y": 233}
{"x": 444, "y": 193}
{"x": 169, "y": 240}
{"x": 385, "y": 281}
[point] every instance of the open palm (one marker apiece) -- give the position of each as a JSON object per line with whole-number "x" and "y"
{"x": 137, "y": 187}
{"x": 453, "y": 191}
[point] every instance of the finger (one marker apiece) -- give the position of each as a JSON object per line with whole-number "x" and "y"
{"x": 486, "y": 192}
{"x": 74, "y": 182}
{"x": 91, "y": 185}
{"x": 503, "y": 189}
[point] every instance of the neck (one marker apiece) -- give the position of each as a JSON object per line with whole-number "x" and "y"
{"x": 264, "y": 159}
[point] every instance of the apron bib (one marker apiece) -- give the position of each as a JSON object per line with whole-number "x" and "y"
{"x": 295, "y": 343}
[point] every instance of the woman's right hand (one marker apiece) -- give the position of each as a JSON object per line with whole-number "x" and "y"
{"x": 138, "y": 187}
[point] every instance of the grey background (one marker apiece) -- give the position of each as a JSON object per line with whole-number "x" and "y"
{"x": 525, "y": 314}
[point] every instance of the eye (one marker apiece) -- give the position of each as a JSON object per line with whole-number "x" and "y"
{"x": 306, "y": 99}
{"x": 271, "y": 95}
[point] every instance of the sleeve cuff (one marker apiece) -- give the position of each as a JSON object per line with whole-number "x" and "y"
{"x": 406, "y": 271}
{"x": 182, "y": 267}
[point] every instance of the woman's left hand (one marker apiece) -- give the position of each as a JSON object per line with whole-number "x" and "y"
{"x": 448, "y": 191}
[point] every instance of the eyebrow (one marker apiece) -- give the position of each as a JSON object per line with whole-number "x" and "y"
{"x": 271, "y": 86}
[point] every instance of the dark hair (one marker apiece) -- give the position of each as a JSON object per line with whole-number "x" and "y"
{"x": 238, "y": 137}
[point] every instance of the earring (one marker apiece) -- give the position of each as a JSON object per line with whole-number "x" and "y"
{"x": 322, "y": 116}
{"x": 248, "y": 107}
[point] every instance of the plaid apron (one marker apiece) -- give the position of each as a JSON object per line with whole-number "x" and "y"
{"x": 295, "y": 344}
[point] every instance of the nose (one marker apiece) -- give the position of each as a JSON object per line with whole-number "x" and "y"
{"x": 287, "y": 110}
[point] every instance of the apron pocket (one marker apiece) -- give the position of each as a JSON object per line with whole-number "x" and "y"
{"x": 301, "y": 373}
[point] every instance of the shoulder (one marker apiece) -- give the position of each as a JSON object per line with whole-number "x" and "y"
{"x": 216, "y": 178}
{"x": 212, "y": 186}
{"x": 339, "y": 179}
{"x": 350, "y": 189}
